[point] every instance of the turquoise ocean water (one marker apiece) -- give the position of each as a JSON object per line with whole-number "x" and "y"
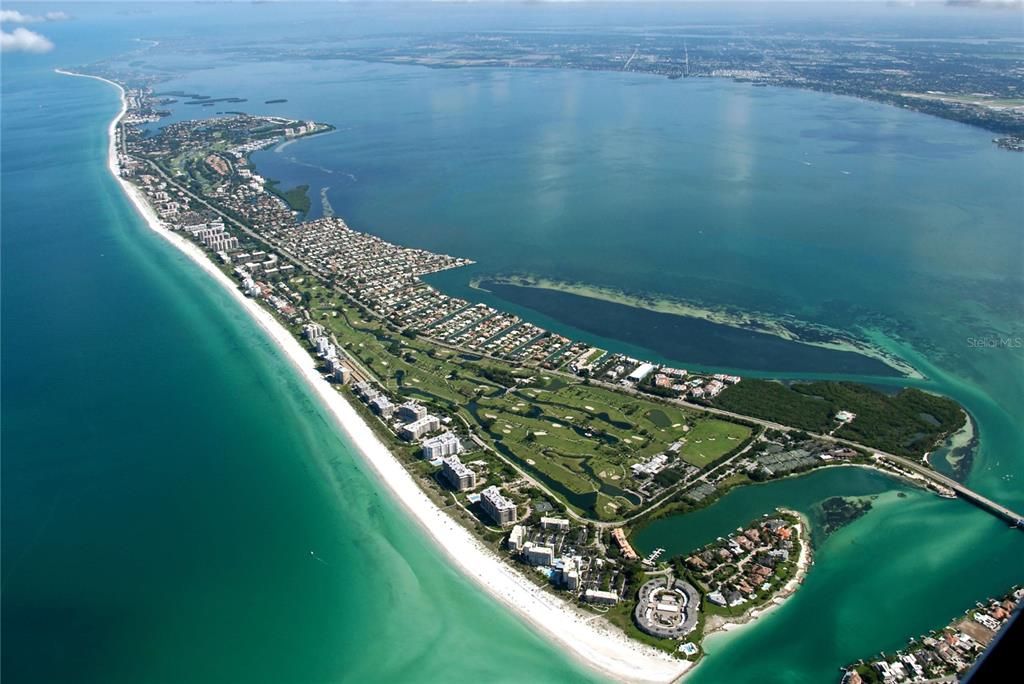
{"x": 165, "y": 476}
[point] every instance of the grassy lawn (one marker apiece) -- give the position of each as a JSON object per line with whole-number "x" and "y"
{"x": 578, "y": 439}
{"x": 711, "y": 439}
{"x": 622, "y": 616}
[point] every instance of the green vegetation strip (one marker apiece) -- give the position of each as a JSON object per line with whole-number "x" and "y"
{"x": 297, "y": 198}
{"x": 907, "y": 423}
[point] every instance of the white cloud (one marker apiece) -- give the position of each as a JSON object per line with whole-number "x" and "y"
{"x": 16, "y": 17}
{"x": 23, "y": 40}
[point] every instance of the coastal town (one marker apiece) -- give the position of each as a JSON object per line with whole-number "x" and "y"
{"x": 749, "y": 567}
{"x": 943, "y": 655}
{"x": 550, "y": 450}
{"x": 980, "y": 92}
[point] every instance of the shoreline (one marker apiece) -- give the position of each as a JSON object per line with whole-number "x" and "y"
{"x": 803, "y": 564}
{"x": 751, "y": 321}
{"x": 603, "y": 649}
{"x": 735, "y": 625}
{"x": 961, "y": 448}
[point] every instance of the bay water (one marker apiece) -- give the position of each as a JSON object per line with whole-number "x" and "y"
{"x": 166, "y": 477}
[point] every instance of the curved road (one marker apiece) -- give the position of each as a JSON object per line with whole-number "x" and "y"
{"x": 924, "y": 471}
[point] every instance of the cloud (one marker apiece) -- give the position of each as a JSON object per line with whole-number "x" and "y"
{"x": 16, "y": 17}
{"x": 23, "y": 40}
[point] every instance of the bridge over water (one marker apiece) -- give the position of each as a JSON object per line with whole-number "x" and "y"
{"x": 964, "y": 492}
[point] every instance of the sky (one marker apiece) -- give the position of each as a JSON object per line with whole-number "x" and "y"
{"x": 24, "y": 29}
{"x": 907, "y": 2}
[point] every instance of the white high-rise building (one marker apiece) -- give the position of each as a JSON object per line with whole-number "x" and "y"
{"x": 342, "y": 374}
{"x": 381, "y": 406}
{"x": 445, "y": 444}
{"x": 418, "y": 428}
{"x": 516, "y": 538}
{"x": 538, "y": 555}
{"x": 312, "y": 331}
{"x": 560, "y": 524}
{"x": 608, "y": 598}
{"x": 458, "y": 474}
{"x": 501, "y": 509}
{"x": 410, "y": 411}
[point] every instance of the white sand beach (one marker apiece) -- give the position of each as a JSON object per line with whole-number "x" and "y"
{"x": 589, "y": 639}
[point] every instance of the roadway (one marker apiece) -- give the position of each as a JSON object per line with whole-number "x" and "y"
{"x": 923, "y": 471}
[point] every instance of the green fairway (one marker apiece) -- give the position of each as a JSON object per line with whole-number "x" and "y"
{"x": 577, "y": 439}
{"x": 710, "y": 439}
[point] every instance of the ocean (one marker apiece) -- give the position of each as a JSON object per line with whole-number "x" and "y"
{"x": 176, "y": 507}
{"x": 166, "y": 476}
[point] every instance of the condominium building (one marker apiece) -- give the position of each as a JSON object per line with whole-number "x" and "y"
{"x": 536, "y": 554}
{"x": 501, "y": 509}
{"x": 608, "y": 598}
{"x": 342, "y": 374}
{"x": 418, "y": 428}
{"x": 222, "y": 242}
{"x": 365, "y": 391}
{"x": 323, "y": 345}
{"x": 516, "y": 538}
{"x": 560, "y": 524}
{"x": 569, "y": 572}
{"x": 382, "y": 406}
{"x": 445, "y": 444}
{"x": 457, "y": 473}
{"x": 312, "y": 331}
{"x": 411, "y": 411}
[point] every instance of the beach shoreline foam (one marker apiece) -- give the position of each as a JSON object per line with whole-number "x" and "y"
{"x": 590, "y": 640}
